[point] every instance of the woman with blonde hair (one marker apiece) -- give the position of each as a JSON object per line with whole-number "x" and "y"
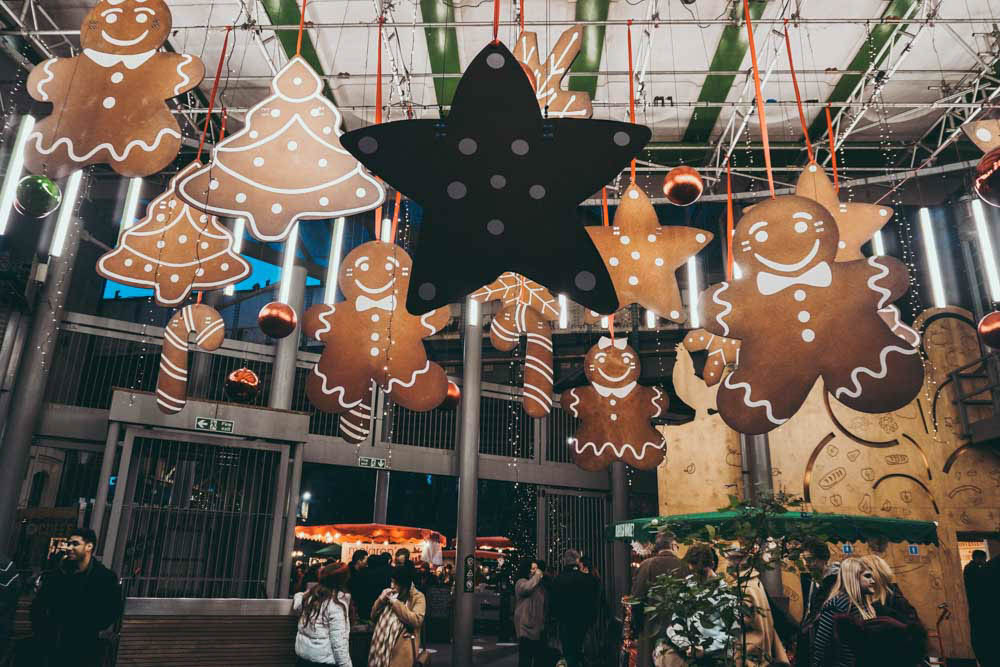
{"x": 852, "y": 595}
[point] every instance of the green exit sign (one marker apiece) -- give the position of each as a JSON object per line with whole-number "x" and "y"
{"x": 214, "y": 425}
{"x": 371, "y": 462}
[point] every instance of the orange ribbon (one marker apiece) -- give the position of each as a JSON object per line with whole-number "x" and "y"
{"x": 215, "y": 89}
{"x": 761, "y": 117}
{"x": 798, "y": 96}
{"x": 631, "y": 87}
{"x": 302, "y": 27}
{"x": 378, "y": 115}
{"x": 729, "y": 223}
{"x": 496, "y": 21}
{"x": 833, "y": 149}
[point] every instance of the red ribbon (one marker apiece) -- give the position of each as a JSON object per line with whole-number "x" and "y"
{"x": 631, "y": 87}
{"x": 760, "y": 98}
{"x": 729, "y": 223}
{"x": 215, "y": 89}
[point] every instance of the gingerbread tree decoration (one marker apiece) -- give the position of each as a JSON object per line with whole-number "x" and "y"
{"x": 109, "y": 101}
{"x": 615, "y": 411}
{"x": 985, "y": 134}
{"x": 286, "y": 164}
{"x": 174, "y": 249}
{"x": 643, "y": 256}
{"x": 547, "y": 76}
{"x": 527, "y": 310}
{"x": 800, "y": 316}
{"x": 371, "y": 336}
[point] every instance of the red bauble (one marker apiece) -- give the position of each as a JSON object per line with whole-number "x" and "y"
{"x": 452, "y": 399}
{"x": 989, "y": 329}
{"x": 242, "y": 385}
{"x": 683, "y": 185}
{"x": 987, "y": 183}
{"x": 277, "y": 319}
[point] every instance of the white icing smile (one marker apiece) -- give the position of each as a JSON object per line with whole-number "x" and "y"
{"x": 377, "y": 290}
{"x": 788, "y": 268}
{"x": 615, "y": 379}
{"x": 123, "y": 42}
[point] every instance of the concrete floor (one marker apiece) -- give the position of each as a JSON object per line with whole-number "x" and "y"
{"x": 485, "y": 652}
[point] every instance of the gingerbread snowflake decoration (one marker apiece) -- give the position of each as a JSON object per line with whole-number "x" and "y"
{"x": 547, "y": 75}
{"x": 371, "y": 336}
{"x": 615, "y": 411}
{"x": 800, "y": 316}
{"x": 109, "y": 102}
{"x": 527, "y": 310}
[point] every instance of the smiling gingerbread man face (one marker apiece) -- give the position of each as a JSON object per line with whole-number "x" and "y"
{"x": 612, "y": 364}
{"x": 125, "y": 27}
{"x": 375, "y": 270}
{"x": 785, "y": 237}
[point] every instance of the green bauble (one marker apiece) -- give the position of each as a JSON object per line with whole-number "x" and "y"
{"x": 37, "y": 196}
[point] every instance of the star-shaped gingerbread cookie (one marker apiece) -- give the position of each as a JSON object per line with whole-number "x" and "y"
{"x": 857, "y": 222}
{"x": 500, "y": 186}
{"x": 643, "y": 256}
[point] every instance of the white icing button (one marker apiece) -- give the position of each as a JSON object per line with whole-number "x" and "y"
{"x": 315, "y": 112}
{"x": 174, "y": 278}
{"x": 275, "y": 113}
{"x": 258, "y": 162}
{"x": 297, "y": 81}
{"x": 117, "y": 77}
{"x": 658, "y": 261}
{"x": 360, "y": 192}
{"x": 613, "y": 261}
{"x": 254, "y": 134}
{"x": 613, "y": 402}
{"x": 614, "y": 418}
{"x": 374, "y": 351}
{"x": 841, "y": 244}
{"x": 375, "y": 336}
{"x": 327, "y": 130}
{"x": 632, "y": 280}
{"x": 983, "y": 134}
{"x": 128, "y": 262}
{"x": 293, "y": 145}
{"x": 204, "y": 245}
{"x": 108, "y": 102}
{"x": 213, "y": 184}
{"x": 635, "y": 254}
{"x": 808, "y": 335}
{"x": 224, "y": 266}
{"x": 161, "y": 243}
{"x": 323, "y": 162}
{"x": 812, "y": 167}
{"x": 203, "y": 218}
{"x": 624, "y": 240}
{"x": 147, "y": 268}
{"x": 324, "y": 201}
{"x": 375, "y": 317}
{"x": 651, "y": 238}
{"x": 182, "y": 238}
{"x": 160, "y": 217}
{"x": 803, "y": 316}
{"x": 800, "y": 295}
{"x": 674, "y": 315}
{"x": 275, "y": 208}
{"x": 883, "y": 212}
{"x": 634, "y": 194}
{"x": 700, "y": 238}
{"x": 241, "y": 197}
{"x": 199, "y": 271}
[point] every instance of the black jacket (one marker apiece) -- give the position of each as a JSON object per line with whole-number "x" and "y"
{"x": 367, "y": 586}
{"x": 71, "y": 608}
{"x": 575, "y": 597}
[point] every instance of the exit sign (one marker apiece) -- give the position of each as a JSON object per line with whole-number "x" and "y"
{"x": 371, "y": 462}
{"x": 214, "y": 425}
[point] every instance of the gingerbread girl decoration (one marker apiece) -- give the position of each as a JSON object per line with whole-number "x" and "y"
{"x": 527, "y": 310}
{"x": 109, "y": 101}
{"x": 615, "y": 411}
{"x": 370, "y": 336}
{"x": 800, "y": 315}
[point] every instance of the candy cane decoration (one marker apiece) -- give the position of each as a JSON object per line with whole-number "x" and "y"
{"x": 506, "y": 330}
{"x": 171, "y": 385}
{"x": 356, "y": 423}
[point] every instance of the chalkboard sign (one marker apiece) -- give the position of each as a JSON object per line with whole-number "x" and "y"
{"x": 438, "y": 601}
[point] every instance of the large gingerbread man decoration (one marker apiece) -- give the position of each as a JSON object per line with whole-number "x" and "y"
{"x": 109, "y": 101}
{"x": 615, "y": 411}
{"x": 800, "y": 316}
{"x": 370, "y": 336}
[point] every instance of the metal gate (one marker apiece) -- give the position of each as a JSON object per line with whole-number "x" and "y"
{"x": 569, "y": 519}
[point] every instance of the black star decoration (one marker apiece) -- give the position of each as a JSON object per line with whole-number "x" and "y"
{"x": 500, "y": 186}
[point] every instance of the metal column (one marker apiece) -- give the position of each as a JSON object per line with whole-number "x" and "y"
{"x": 619, "y": 549}
{"x": 104, "y": 481}
{"x": 468, "y": 481}
{"x": 292, "y": 507}
{"x": 32, "y": 373}
{"x": 286, "y": 349}
{"x": 757, "y": 462}
{"x": 381, "y": 496}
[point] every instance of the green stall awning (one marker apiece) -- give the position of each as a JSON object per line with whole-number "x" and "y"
{"x": 836, "y": 527}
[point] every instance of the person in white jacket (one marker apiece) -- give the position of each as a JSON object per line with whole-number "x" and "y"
{"x": 324, "y": 620}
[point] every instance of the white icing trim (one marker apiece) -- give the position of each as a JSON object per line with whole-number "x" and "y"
{"x": 413, "y": 378}
{"x": 619, "y": 451}
{"x": 335, "y": 390}
{"x": 538, "y": 366}
{"x": 656, "y": 398}
{"x": 423, "y": 322}
{"x": 165, "y": 369}
{"x": 47, "y": 68}
{"x": 883, "y": 370}
{"x": 118, "y": 157}
{"x": 720, "y": 318}
{"x": 185, "y": 79}
{"x": 728, "y": 384}
{"x": 788, "y": 268}
{"x": 576, "y": 401}
{"x": 327, "y": 324}
{"x": 873, "y": 281}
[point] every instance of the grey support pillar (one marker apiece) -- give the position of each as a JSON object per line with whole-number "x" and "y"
{"x": 32, "y": 373}
{"x": 468, "y": 482}
{"x": 381, "y": 496}
{"x": 104, "y": 481}
{"x": 287, "y": 349}
{"x": 757, "y": 462}
{"x": 620, "y": 549}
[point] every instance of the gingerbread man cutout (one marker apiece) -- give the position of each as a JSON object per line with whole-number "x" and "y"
{"x": 109, "y": 101}
{"x": 800, "y": 316}
{"x": 370, "y": 336}
{"x": 615, "y": 411}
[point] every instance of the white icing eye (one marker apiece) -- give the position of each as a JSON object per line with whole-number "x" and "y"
{"x": 601, "y": 358}
{"x": 388, "y": 266}
{"x": 141, "y": 18}
{"x": 111, "y": 18}
{"x": 364, "y": 267}
{"x": 627, "y": 358}
{"x": 760, "y": 236}
{"x": 801, "y": 227}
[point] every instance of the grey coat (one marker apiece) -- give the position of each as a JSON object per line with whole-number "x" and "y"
{"x": 529, "y": 612}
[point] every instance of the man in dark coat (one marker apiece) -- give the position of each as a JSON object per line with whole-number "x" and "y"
{"x": 819, "y": 581}
{"x": 575, "y": 597}
{"x": 76, "y": 603}
{"x": 372, "y": 580}
{"x": 663, "y": 561}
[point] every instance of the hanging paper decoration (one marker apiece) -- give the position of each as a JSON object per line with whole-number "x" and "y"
{"x": 242, "y": 385}
{"x": 109, "y": 101}
{"x": 799, "y": 315}
{"x": 986, "y": 135}
{"x": 371, "y": 336}
{"x": 355, "y": 425}
{"x": 683, "y": 185}
{"x": 277, "y": 319}
{"x": 500, "y": 187}
{"x": 174, "y": 249}
{"x": 615, "y": 411}
{"x": 527, "y": 310}
{"x": 723, "y": 353}
{"x": 286, "y": 164}
{"x": 643, "y": 256}
{"x": 37, "y": 196}
{"x": 989, "y": 329}
{"x": 547, "y": 75}
{"x": 171, "y": 383}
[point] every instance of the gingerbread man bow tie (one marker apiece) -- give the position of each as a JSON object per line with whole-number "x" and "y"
{"x": 131, "y": 61}
{"x": 363, "y": 303}
{"x": 619, "y": 392}
{"x": 818, "y": 276}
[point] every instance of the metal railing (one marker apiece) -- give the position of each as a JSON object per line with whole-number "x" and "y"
{"x": 977, "y": 391}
